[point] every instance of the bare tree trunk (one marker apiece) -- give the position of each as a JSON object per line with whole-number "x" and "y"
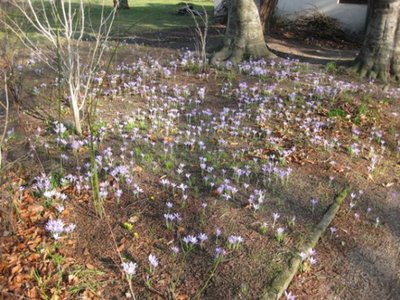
{"x": 243, "y": 35}
{"x": 267, "y": 8}
{"x": 380, "y": 54}
{"x": 121, "y": 4}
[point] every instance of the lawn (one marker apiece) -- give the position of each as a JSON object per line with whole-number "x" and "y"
{"x": 143, "y": 15}
{"x": 156, "y": 15}
{"x": 211, "y": 181}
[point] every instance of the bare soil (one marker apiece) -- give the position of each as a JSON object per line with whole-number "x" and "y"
{"x": 361, "y": 260}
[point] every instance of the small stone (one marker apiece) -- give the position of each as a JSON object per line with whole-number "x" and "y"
{"x": 133, "y": 219}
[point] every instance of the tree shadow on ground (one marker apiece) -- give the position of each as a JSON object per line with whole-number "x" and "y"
{"x": 160, "y": 26}
{"x": 136, "y": 20}
{"x": 179, "y": 38}
{"x": 311, "y": 54}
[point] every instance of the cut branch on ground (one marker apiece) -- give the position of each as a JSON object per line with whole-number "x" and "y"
{"x": 282, "y": 281}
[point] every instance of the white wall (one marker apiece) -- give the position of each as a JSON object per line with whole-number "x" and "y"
{"x": 351, "y": 16}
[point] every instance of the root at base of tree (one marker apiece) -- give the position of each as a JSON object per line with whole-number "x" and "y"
{"x": 372, "y": 71}
{"x": 235, "y": 54}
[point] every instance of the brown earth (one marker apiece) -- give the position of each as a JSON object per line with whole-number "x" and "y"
{"x": 359, "y": 261}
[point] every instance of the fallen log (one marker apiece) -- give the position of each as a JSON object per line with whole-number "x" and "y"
{"x": 282, "y": 281}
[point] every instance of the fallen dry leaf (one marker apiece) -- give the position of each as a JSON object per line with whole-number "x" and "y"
{"x": 90, "y": 266}
{"x": 72, "y": 279}
{"x": 121, "y": 247}
{"x": 35, "y": 208}
{"x": 137, "y": 169}
{"x": 16, "y": 269}
{"x": 32, "y": 293}
{"x": 33, "y": 257}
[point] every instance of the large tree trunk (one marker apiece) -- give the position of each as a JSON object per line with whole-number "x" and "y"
{"x": 243, "y": 35}
{"x": 121, "y": 4}
{"x": 267, "y": 8}
{"x": 380, "y": 54}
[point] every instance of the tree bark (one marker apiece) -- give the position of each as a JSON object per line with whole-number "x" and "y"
{"x": 121, "y": 4}
{"x": 380, "y": 54}
{"x": 243, "y": 34}
{"x": 267, "y": 8}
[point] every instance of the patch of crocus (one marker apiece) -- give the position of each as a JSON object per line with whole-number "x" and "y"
{"x": 174, "y": 250}
{"x": 129, "y": 269}
{"x": 55, "y": 227}
{"x": 153, "y": 262}
{"x": 311, "y": 252}
{"x": 118, "y": 193}
{"x": 333, "y": 230}
{"x": 308, "y": 258}
{"x": 264, "y": 228}
{"x": 292, "y": 221}
{"x": 314, "y": 202}
{"x": 202, "y": 238}
{"x": 280, "y": 234}
{"x": 42, "y": 183}
{"x": 220, "y": 253}
{"x": 229, "y": 129}
{"x": 234, "y": 241}
{"x": 312, "y": 260}
{"x": 189, "y": 242}
{"x": 275, "y": 216}
{"x": 60, "y": 208}
{"x": 354, "y": 149}
{"x": 218, "y": 233}
{"x": 289, "y": 296}
{"x": 170, "y": 219}
{"x": 58, "y": 227}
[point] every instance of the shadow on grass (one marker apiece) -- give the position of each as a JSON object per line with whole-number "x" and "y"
{"x": 147, "y": 17}
{"x": 159, "y": 25}
{"x": 311, "y": 54}
{"x": 151, "y": 24}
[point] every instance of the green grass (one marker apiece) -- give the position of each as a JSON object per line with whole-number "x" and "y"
{"x": 143, "y": 15}
{"x": 336, "y": 112}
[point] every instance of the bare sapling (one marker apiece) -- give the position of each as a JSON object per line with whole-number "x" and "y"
{"x": 201, "y": 30}
{"x": 6, "y": 107}
{"x": 64, "y": 26}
